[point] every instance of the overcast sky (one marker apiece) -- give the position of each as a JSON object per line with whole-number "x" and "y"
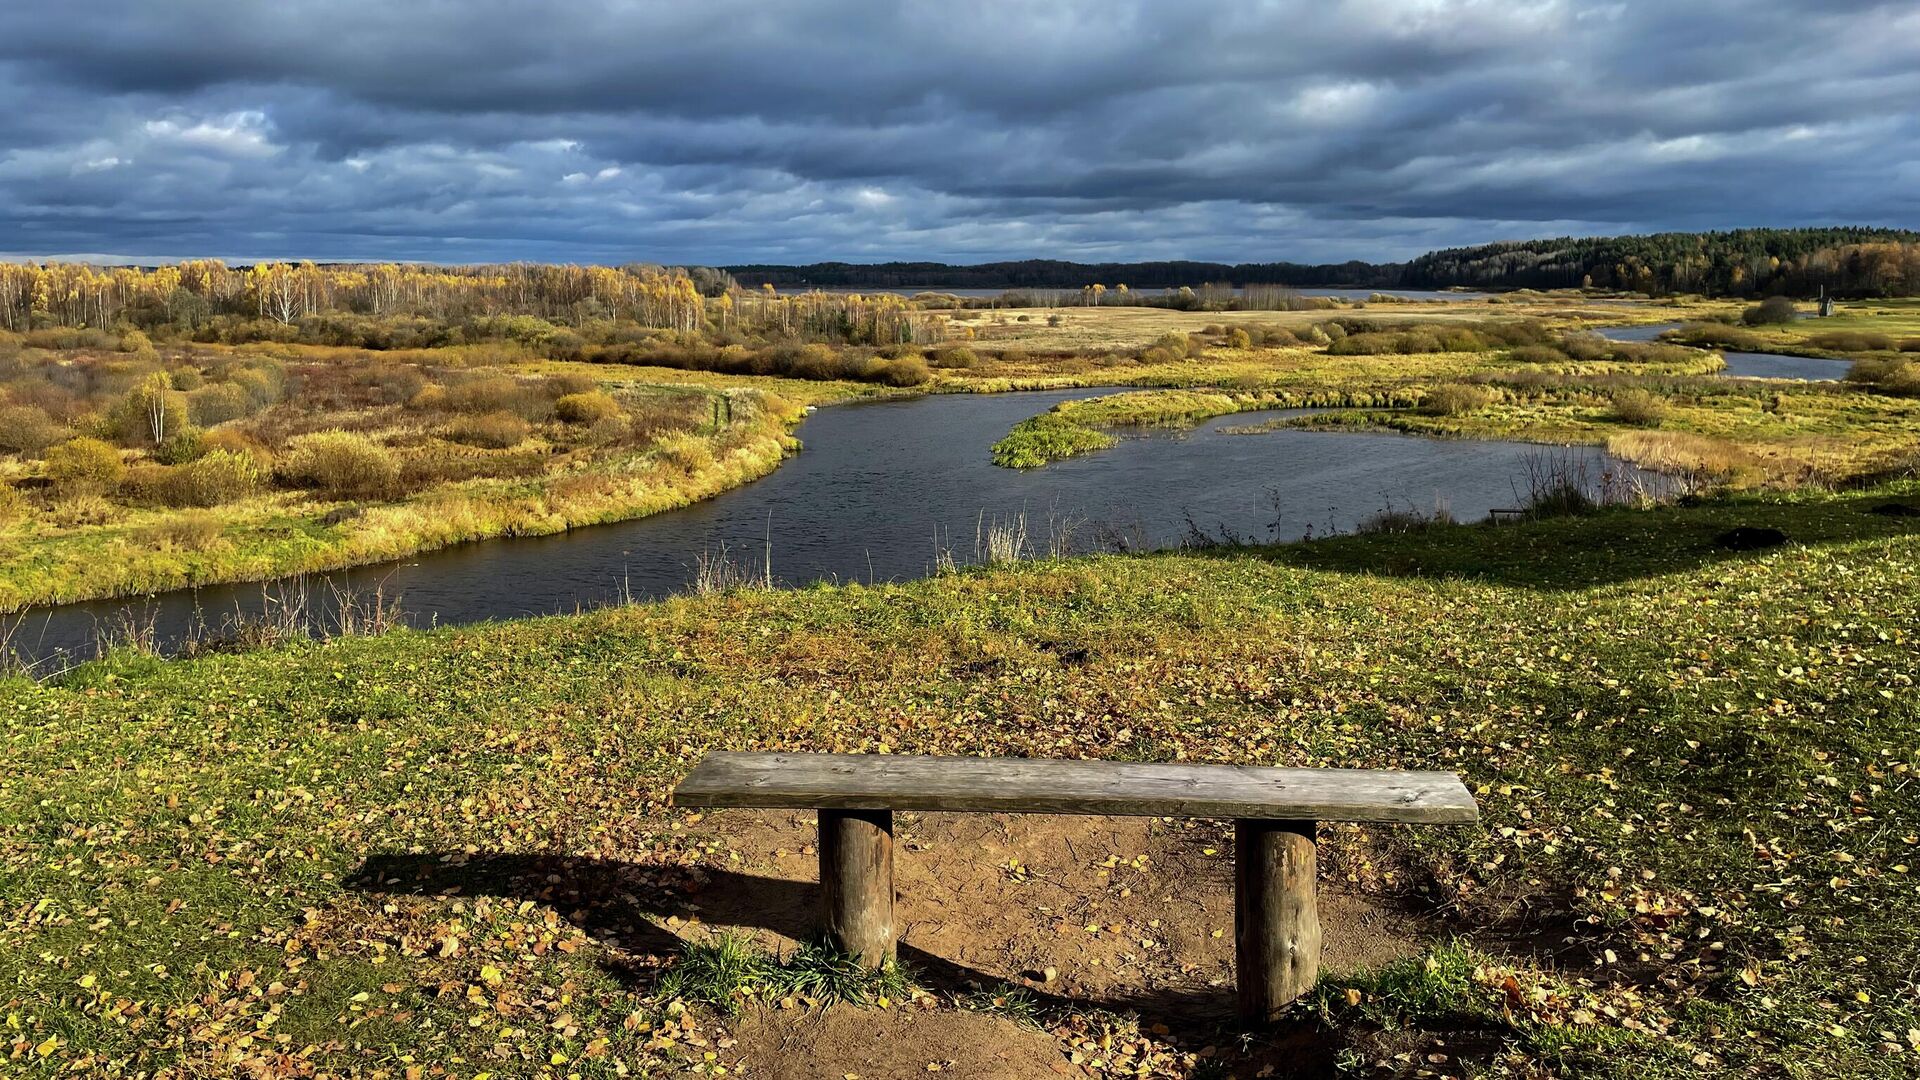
{"x": 716, "y": 131}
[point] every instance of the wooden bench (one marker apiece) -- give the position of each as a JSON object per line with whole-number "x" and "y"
{"x": 1276, "y": 924}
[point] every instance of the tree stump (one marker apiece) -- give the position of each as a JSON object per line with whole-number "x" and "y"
{"x": 1276, "y": 921}
{"x": 856, "y": 883}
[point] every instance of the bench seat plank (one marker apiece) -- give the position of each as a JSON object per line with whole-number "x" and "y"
{"x": 1050, "y": 786}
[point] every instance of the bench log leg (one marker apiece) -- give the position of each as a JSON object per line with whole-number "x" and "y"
{"x": 856, "y": 882}
{"x": 1276, "y": 922}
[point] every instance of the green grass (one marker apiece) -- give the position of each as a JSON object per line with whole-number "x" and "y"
{"x": 415, "y": 849}
{"x": 1079, "y": 427}
{"x": 731, "y": 970}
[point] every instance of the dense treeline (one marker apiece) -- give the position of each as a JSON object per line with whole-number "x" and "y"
{"x": 1845, "y": 261}
{"x": 190, "y": 293}
{"x": 413, "y": 306}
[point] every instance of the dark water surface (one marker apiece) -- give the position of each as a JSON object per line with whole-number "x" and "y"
{"x": 875, "y": 485}
{"x": 1745, "y": 365}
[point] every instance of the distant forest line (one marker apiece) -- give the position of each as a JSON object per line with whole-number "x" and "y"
{"x": 1845, "y": 261}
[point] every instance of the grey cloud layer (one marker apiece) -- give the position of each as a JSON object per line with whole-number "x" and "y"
{"x": 611, "y": 130}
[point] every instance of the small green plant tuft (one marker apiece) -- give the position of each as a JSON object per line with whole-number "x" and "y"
{"x": 731, "y": 969}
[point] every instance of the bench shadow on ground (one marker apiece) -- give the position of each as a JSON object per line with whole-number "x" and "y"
{"x": 1610, "y": 547}
{"x": 622, "y": 905}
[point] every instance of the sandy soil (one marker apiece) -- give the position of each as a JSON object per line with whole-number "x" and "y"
{"x": 1128, "y": 914}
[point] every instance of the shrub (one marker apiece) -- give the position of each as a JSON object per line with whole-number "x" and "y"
{"x": 569, "y": 383}
{"x": 342, "y": 464}
{"x": 236, "y": 441}
{"x": 262, "y": 384}
{"x": 181, "y": 447}
{"x": 63, "y": 337}
{"x": 1454, "y": 399}
{"x": 220, "y": 476}
{"x": 1364, "y": 343}
{"x": 1178, "y": 344}
{"x": 907, "y": 371}
{"x": 84, "y": 466}
{"x": 586, "y": 407}
{"x": 564, "y": 344}
{"x": 1895, "y": 375}
{"x": 145, "y": 484}
{"x": 1239, "y": 339}
{"x": 1537, "y": 354}
{"x": 27, "y": 429}
{"x": 149, "y": 414}
{"x": 58, "y": 402}
{"x": 613, "y": 429}
{"x": 1636, "y": 406}
{"x": 495, "y": 430}
{"x": 1773, "y": 310}
{"x": 218, "y": 403}
{"x": 396, "y": 383}
{"x": 499, "y": 394}
{"x": 1584, "y": 347}
{"x": 137, "y": 343}
{"x": 958, "y": 356}
{"x": 1851, "y": 341}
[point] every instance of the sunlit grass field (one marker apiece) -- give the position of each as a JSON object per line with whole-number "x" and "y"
{"x": 1695, "y": 767}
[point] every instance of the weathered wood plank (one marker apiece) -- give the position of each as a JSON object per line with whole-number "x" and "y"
{"x": 856, "y": 883}
{"x": 1045, "y": 786}
{"x": 1276, "y": 916}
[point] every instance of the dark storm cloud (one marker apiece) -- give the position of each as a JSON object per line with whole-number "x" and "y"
{"x": 611, "y": 130}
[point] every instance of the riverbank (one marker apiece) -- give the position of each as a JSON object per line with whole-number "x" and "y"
{"x": 454, "y": 846}
{"x": 68, "y": 549}
{"x": 1661, "y": 407}
{"x": 275, "y": 537}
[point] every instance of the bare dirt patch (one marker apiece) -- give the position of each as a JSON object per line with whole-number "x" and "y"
{"x": 842, "y": 1041}
{"x": 1129, "y": 914}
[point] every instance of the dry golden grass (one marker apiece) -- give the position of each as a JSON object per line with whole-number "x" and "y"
{"x": 441, "y": 453}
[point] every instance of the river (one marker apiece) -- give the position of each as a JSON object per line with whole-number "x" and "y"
{"x": 1745, "y": 365}
{"x": 877, "y": 487}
